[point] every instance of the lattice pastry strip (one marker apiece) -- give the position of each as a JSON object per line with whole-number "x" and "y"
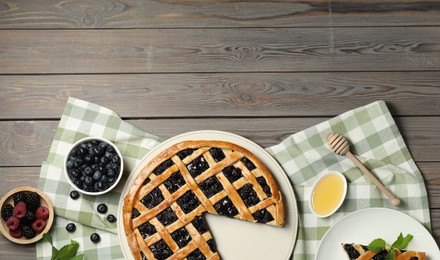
{"x": 162, "y": 210}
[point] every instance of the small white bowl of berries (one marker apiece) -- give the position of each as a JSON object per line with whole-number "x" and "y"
{"x": 26, "y": 214}
{"x": 93, "y": 166}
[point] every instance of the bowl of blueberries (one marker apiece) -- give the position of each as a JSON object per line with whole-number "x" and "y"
{"x": 93, "y": 166}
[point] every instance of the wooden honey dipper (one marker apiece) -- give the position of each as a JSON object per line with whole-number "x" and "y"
{"x": 339, "y": 145}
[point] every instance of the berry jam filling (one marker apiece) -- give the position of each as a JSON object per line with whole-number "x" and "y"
{"x": 266, "y": 188}
{"x": 163, "y": 167}
{"x": 181, "y": 236}
{"x": 382, "y": 255}
{"x": 146, "y": 230}
{"x": 212, "y": 245}
{"x": 188, "y": 202}
{"x": 232, "y": 173}
{"x": 143, "y": 257}
{"x": 185, "y": 153}
{"x": 153, "y": 198}
{"x": 352, "y": 253}
{"x": 196, "y": 255}
{"x": 147, "y": 180}
{"x": 161, "y": 250}
{"x": 197, "y": 166}
{"x": 135, "y": 213}
{"x": 217, "y": 154}
{"x": 250, "y": 165}
{"x": 211, "y": 186}
{"x": 174, "y": 182}
{"x": 200, "y": 224}
{"x": 248, "y": 195}
{"x": 263, "y": 216}
{"x": 167, "y": 216}
{"x": 225, "y": 207}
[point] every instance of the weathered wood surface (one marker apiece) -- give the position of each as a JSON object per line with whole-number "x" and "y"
{"x": 219, "y": 50}
{"x": 261, "y": 69}
{"x": 202, "y": 14}
{"x": 27, "y": 143}
{"x": 222, "y": 94}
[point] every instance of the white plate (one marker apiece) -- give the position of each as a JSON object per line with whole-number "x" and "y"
{"x": 236, "y": 239}
{"x": 365, "y": 225}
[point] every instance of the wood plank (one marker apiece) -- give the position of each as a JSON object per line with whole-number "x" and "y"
{"x": 219, "y": 50}
{"x": 207, "y": 95}
{"x": 188, "y": 13}
{"x": 27, "y": 143}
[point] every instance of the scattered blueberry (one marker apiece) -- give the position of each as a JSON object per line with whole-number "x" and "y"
{"x": 70, "y": 227}
{"x": 111, "y": 218}
{"x": 74, "y": 194}
{"x": 95, "y": 238}
{"x": 102, "y": 208}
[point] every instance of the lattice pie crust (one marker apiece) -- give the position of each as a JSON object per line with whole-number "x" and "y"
{"x": 162, "y": 212}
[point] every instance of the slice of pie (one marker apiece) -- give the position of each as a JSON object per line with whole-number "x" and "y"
{"x": 361, "y": 252}
{"x": 162, "y": 212}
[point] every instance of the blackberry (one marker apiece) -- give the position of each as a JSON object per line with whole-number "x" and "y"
{"x": 28, "y": 232}
{"x": 19, "y": 197}
{"x": 28, "y": 218}
{"x": 95, "y": 238}
{"x": 7, "y": 211}
{"x": 71, "y": 227}
{"x": 32, "y": 201}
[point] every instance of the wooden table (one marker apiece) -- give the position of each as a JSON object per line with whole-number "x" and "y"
{"x": 261, "y": 69}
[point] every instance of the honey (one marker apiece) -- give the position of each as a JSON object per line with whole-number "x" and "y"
{"x": 328, "y": 194}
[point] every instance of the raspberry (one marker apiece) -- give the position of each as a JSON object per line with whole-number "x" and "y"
{"x": 39, "y": 225}
{"x": 16, "y": 233}
{"x": 13, "y": 223}
{"x": 42, "y": 213}
{"x": 20, "y": 210}
{"x": 28, "y": 232}
{"x": 19, "y": 197}
{"x": 7, "y": 211}
{"x": 32, "y": 201}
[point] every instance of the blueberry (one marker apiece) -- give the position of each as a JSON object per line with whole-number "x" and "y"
{"x": 95, "y": 238}
{"x": 102, "y": 208}
{"x": 89, "y": 181}
{"x": 102, "y": 186}
{"x": 104, "y": 160}
{"x": 70, "y": 227}
{"x": 110, "y": 173}
{"x": 74, "y": 194}
{"x": 97, "y": 175}
{"x": 88, "y": 171}
{"x": 111, "y": 218}
{"x": 115, "y": 159}
{"x": 69, "y": 164}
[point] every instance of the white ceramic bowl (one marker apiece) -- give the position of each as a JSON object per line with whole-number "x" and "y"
{"x": 121, "y": 164}
{"x": 328, "y": 194}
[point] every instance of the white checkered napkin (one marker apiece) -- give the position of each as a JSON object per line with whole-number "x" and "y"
{"x": 376, "y": 140}
{"x": 82, "y": 119}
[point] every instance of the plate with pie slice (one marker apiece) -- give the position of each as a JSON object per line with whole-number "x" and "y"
{"x": 363, "y": 226}
{"x": 208, "y": 195}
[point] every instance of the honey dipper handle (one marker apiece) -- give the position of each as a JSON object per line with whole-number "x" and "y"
{"x": 394, "y": 200}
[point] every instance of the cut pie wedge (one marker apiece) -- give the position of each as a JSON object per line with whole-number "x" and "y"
{"x": 162, "y": 212}
{"x": 361, "y": 252}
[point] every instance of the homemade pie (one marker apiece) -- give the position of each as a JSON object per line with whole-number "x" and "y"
{"x": 361, "y": 252}
{"x": 162, "y": 212}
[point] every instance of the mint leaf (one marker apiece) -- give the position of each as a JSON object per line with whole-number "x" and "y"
{"x": 377, "y": 245}
{"x": 68, "y": 251}
{"x": 405, "y": 241}
{"x": 78, "y": 257}
{"x": 48, "y": 238}
{"x": 398, "y": 242}
{"x": 391, "y": 254}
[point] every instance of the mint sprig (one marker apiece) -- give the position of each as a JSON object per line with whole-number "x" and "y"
{"x": 379, "y": 244}
{"x": 67, "y": 252}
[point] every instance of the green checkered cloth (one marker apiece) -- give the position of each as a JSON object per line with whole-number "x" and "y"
{"x": 303, "y": 156}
